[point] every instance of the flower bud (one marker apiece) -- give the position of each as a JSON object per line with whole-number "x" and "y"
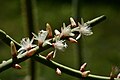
{"x": 49, "y": 29}
{"x": 82, "y": 21}
{"x": 31, "y": 52}
{"x": 57, "y": 32}
{"x": 118, "y": 76}
{"x": 13, "y": 51}
{"x": 58, "y": 71}
{"x": 72, "y": 22}
{"x": 72, "y": 40}
{"x": 17, "y": 66}
{"x": 82, "y": 68}
{"x": 85, "y": 73}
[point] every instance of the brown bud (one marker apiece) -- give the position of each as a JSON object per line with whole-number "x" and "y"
{"x": 85, "y": 73}
{"x": 13, "y": 51}
{"x": 31, "y": 52}
{"x": 50, "y": 55}
{"x": 49, "y": 29}
{"x": 17, "y": 66}
{"x": 118, "y": 76}
{"x": 73, "y": 23}
{"x": 72, "y": 40}
{"x": 58, "y": 71}
{"x": 82, "y": 68}
{"x": 40, "y": 43}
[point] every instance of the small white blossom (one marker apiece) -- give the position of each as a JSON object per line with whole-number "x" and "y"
{"x": 66, "y": 31}
{"x": 41, "y": 36}
{"x": 26, "y": 44}
{"x": 59, "y": 45}
{"x": 83, "y": 29}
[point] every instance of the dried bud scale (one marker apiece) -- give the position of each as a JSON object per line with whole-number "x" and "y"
{"x": 72, "y": 40}
{"x": 13, "y": 51}
{"x": 49, "y": 29}
{"x": 17, "y": 66}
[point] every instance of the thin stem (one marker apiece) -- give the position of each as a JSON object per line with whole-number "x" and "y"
{"x": 7, "y": 39}
{"x": 70, "y": 71}
{"x": 95, "y": 21}
{"x": 54, "y": 65}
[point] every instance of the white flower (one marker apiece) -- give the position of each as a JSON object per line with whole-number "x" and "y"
{"x": 41, "y": 36}
{"x": 83, "y": 29}
{"x": 26, "y": 44}
{"x": 59, "y": 45}
{"x": 66, "y": 31}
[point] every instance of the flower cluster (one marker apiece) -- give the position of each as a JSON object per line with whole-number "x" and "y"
{"x": 71, "y": 32}
{"x": 58, "y": 42}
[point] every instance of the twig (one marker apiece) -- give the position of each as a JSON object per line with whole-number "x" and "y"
{"x": 7, "y": 39}
{"x": 67, "y": 70}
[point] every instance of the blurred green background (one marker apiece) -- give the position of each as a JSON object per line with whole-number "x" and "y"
{"x": 100, "y": 51}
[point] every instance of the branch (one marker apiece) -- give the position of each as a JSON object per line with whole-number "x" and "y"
{"x": 7, "y": 39}
{"x": 52, "y": 64}
{"x": 70, "y": 71}
{"x": 96, "y": 20}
